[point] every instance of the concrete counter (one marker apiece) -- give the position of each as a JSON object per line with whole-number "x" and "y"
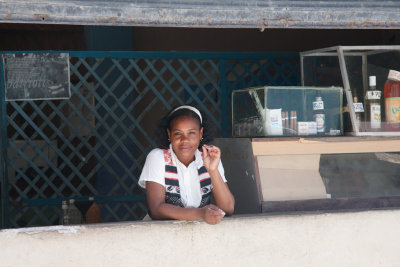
{"x": 368, "y": 238}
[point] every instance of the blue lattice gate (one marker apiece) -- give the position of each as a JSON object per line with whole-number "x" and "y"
{"x": 95, "y": 143}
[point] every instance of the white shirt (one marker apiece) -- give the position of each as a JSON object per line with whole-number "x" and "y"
{"x": 189, "y": 183}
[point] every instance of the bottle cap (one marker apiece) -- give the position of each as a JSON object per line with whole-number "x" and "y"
{"x": 372, "y": 80}
{"x": 318, "y": 98}
{"x": 394, "y": 75}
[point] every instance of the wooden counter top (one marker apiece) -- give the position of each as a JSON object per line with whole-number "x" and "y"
{"x": 325, "y": 145}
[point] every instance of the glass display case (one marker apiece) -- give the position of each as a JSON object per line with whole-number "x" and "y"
{"x": 287, "y": 111}
{"x": 370, "y": 76}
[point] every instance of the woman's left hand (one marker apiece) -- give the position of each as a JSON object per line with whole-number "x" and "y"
{"x": 211, "y": 157}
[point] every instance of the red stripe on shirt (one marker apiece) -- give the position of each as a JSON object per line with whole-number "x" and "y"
{"x": 205, "y": 179}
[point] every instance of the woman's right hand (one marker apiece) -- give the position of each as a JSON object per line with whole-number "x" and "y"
{"x": 212, "y": 214}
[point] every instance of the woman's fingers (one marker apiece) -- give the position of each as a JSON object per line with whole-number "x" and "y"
{"x": 216, "y": 212}
{"x": 213, "y": 214}
{"x": 205, "y": 151}
{"x": 211, "y": 150}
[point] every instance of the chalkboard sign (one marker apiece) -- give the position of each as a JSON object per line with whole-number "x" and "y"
{"x": 30, "y": 76}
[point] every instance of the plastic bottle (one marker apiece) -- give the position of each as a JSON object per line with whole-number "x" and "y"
{"x": 319, "y": 115}
{"x": 65, "y": 216}
{"x": 373, "y": 106}
{"x": 392, "y": 101}
{"x": 75, "y": 216}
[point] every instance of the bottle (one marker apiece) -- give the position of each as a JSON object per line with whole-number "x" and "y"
{"x": 285, "y": 122}
{"x": 65, "y": 216}
{"x": 319, "y": 115}
{"x": 93, "y": 213}
{"x": 293, "y": 122}
{"x": 75, "y": 216}
{"x": 358, "y": 110}
{"x": 373, "y": 106}
{"x": 392, "y": 101}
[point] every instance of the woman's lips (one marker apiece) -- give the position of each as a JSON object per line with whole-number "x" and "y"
{"x": 184, "y": 148}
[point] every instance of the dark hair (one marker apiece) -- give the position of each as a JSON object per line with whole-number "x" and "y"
{"x": 165, "y": 123}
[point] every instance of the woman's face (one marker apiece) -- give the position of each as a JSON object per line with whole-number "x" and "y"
{"x": 185, "y": 134}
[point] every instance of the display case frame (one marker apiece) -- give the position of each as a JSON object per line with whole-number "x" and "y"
{"x": 269, "y": 98}
{"x": 357, "y": 51}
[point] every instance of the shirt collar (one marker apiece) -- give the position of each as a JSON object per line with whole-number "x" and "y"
{"x": 198, "y": 160}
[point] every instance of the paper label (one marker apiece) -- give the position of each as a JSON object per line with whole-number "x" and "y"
{"x": 318, "y": 105}
{"x": 307, "y": 127}
{"x": 358, "y": 107}
{"x": 320, "y": 120}
{"x": 312, "y": 128}
{"x": 334, "y": 132}
{"x": 394, "y": 75}
{"x": 375, "y": 116}
{"x": 392, "y": 105}
{"x": 374, "y": 94}
{"x": 302, "y": 128}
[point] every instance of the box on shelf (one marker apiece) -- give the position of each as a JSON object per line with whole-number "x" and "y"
{"x": 287, "y": 111}
{"x": 370, "y": 76}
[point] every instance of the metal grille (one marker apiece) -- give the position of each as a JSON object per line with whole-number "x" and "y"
{"x": 95, "y": 143}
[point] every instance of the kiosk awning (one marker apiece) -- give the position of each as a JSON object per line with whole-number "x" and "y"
{"x": 207, "y": 13}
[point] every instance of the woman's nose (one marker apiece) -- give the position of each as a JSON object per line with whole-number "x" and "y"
{"x": 185, "y": 137}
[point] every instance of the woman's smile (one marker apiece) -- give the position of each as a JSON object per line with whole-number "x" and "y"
{"x": 185, "y": 147}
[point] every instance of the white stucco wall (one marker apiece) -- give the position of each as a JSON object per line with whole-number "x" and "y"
{"x": 369, "y": 238}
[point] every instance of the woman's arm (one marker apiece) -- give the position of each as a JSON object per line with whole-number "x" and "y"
{"x": 223, "y": 196}
{"x": 160, "y": 210}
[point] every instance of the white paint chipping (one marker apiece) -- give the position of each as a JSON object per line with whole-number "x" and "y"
{"x": 62, "y": 229}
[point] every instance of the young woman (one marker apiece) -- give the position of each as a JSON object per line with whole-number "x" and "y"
{"x": 180, "y": 179}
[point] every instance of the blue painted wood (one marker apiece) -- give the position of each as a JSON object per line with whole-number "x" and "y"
{"x": 224, "y": 98}
{"x": 38, "y": 149}
{"x": 166, "y": 87}
{"x": 178, "y": 55}
{"x": 4, "y": 222}
{"x": 98, "y": 199}
{"x": 101, "y": 138}
{"x": 101, "y": 100}
{"x": 200, "y": 85}
{"x": 192, "y": 95}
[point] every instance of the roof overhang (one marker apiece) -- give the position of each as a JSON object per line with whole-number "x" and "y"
{"x": 350, "y": 14}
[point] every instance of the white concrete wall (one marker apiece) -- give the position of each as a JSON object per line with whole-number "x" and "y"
{"x": 370, "y": 238}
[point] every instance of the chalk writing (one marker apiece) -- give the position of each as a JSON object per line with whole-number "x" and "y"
{"x": 30, "y": 76}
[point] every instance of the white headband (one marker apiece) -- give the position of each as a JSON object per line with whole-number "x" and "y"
{"x": 195, "y": 110}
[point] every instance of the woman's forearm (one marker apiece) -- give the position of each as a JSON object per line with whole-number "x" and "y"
{"x": 210, "y": 214}
{"x": 165, "y": 211}
{"x": 223, "y": 196}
